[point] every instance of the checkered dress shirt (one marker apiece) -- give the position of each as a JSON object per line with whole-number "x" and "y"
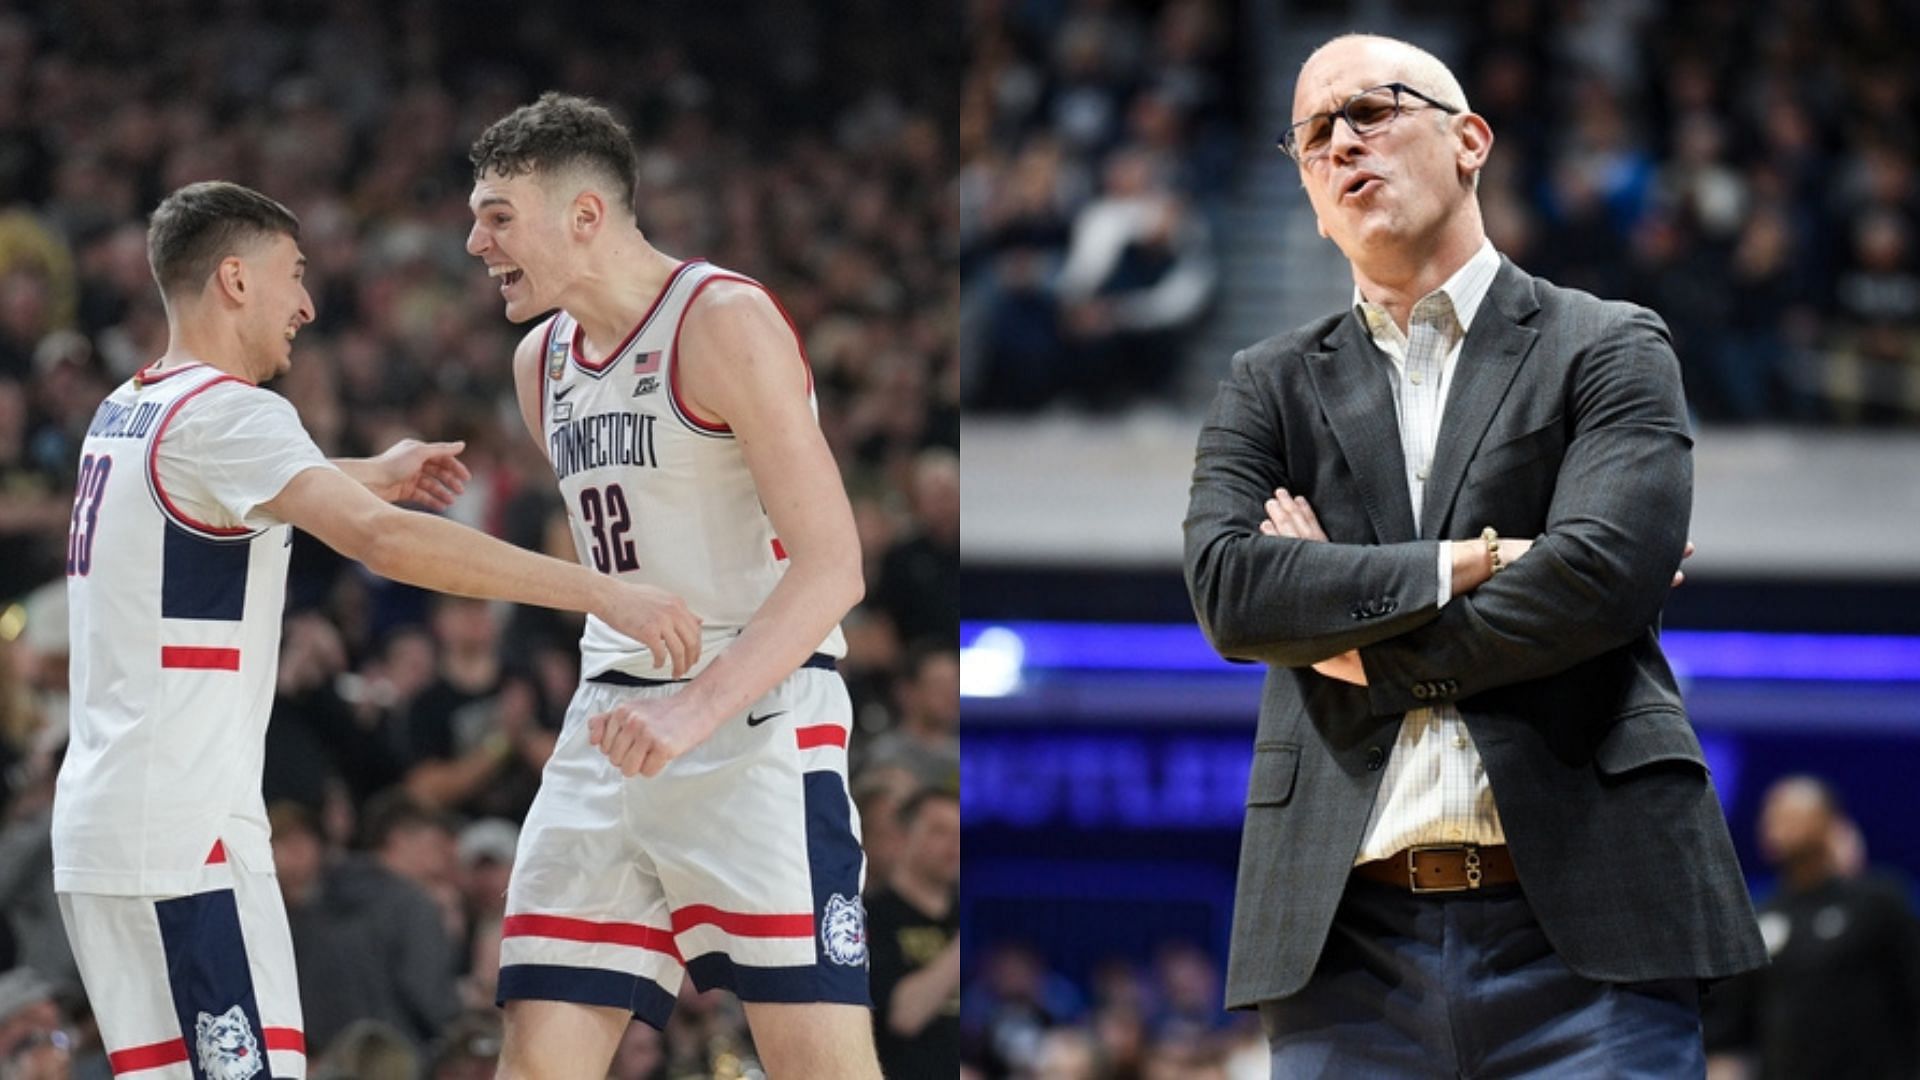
{"x": 1435, "y": 789}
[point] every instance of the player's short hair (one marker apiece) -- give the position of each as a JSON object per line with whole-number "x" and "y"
{"x": 200, "y": 224}
{"x": 559, "y": 133}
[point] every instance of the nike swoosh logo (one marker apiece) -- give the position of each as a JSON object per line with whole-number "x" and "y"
{"x": 756, "y": 721}
{"x": 562, "y": 393}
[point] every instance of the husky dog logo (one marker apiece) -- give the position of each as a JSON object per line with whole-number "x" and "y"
{"x": 228, "y": 1050}
{"x": 843, "y": 933}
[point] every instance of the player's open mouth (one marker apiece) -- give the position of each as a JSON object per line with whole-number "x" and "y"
{"x": 509, "y": 275}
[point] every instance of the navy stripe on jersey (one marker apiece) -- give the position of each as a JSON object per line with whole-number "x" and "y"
{"x": 585, "y": 986}
{"x": 207, "y": 970}
{"x": 201, "y": 578}
{"x": 833, "y": 861}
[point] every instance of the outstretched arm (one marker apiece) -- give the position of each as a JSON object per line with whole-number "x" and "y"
{"x": 434, "y": 553}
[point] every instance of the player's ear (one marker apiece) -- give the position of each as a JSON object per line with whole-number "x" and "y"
{"x": 230, "y": 278}
{"x": 589, "y": 213}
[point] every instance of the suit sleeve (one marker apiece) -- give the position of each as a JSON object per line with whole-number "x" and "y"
{"x": 1287, "y": 602}
{"x": 1615, "y": 529}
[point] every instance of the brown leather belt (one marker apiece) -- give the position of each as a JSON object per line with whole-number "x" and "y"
{"x": 1442, "y": 868}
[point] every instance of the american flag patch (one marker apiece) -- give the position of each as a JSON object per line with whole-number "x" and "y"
{"x": 647, "y": 363}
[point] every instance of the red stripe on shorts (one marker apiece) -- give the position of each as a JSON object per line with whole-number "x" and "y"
{"x": 819, "y": 735}
{"x": 218, "y": 855}
{"x": 779, "y": 550}
{"x": 152, "y": 1056}
{"x": 740, "y": 924}
{"x": 185, "y": 656}
{"x": 611, "y": 933}
{"x": 173, "y": 1051}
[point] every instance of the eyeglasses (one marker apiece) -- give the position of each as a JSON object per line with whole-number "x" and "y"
{"x": 1365, "y": 113}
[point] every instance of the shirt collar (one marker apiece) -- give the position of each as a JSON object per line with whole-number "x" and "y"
{"x": 1465, "y": 290}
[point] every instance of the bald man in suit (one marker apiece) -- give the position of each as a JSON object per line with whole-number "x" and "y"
{"x": 1481, "y": 839}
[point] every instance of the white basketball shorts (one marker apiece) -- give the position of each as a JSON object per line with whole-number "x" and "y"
{"x": 740, "y": 863}
{"x": 191, "y": 986}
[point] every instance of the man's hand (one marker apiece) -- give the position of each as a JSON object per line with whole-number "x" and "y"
{"x": 657, "y": 619}
{"x": 1290, "y": 516}
{"x": 428, "y": 474}
{"x": 641, "y": 737}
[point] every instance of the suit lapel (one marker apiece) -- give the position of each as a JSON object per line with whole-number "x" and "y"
{"x": 1491, "y": 356}
{"x": 1357, "y": 398}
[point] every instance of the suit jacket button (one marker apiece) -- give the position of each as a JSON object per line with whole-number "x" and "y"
{"x": 1422, "y": 691}
{"x": 1359, "y": 613}
{"x": 1376, "y": 757}
{"x": 1389, "y": 606}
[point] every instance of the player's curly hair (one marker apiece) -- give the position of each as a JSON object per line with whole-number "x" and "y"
{"x": 557, "y": 133}
{"x": 200, "y": 224}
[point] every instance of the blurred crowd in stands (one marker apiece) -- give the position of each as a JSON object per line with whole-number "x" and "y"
{"x": 1838, "y": 998}
{"x": 1097, "y": 138}
{"x": 1751, "y": 171}
{"x": 1746, "y": 170}
{"x": 810, "y": 147}
{"x": 1131, "y": 1019}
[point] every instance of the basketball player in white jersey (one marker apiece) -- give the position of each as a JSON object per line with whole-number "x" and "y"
{"x": 177, "y": 560}
{"x": 697, "y": 827}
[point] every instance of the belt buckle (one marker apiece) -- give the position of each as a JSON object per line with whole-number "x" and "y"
{"x": 1471, "y": 854}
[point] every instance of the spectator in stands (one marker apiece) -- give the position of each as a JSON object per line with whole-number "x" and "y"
{"x": 34, "y": 1041}
{"x": 33, "y": 935}
{"x": 317, "y": 738}
{"x": 642, "y": 1055}
{"x": 925, "y": 737}
{"x": 1139, "y": 271}
{"x": 879, "y": 790}
{"x": 1841, "y": 998}
{"x": 477, "y": 738}
{"x": 369, "y": 940}
{"x": 1873, "y": 375}
{"x": 1010, "y": 1004}
{"x": 368, "y": 1050}
{"x": 470, "y": 1049}
{"x": 920, "y": 578}
{"x": 1067, "y": 1053}
{"x": 33, "y": 510}
{"x": 913, "y": 930}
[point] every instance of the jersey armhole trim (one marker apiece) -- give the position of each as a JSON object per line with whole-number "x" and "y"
{"x": 540, "y": 379}
{"x": 159, "y": 492}
{"x": 680, "y": 408}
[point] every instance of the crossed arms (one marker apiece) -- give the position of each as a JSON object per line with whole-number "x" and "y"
{"x": 1592, "y": 581}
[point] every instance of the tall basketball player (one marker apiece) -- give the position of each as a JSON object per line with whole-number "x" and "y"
{"x": 176, "y": 566}
{"x": 697, "y": 826}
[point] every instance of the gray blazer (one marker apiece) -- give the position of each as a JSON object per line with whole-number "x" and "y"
{"x": 1565, "y": 423}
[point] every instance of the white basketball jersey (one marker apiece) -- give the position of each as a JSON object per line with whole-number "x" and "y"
{"x": 655, "y": 495}
{"x": 175, "y": 581}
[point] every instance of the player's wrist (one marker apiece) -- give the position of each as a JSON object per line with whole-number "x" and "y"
{"x": 696, "y": 704}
